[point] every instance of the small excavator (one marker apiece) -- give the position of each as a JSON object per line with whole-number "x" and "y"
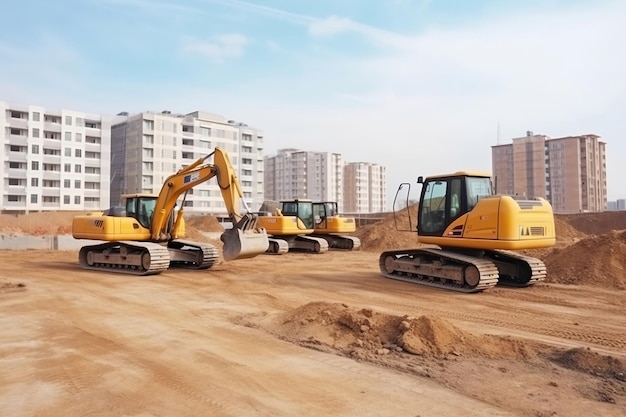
{"x": 290, "y": 226}
{"x": 333, "y": 227}
{"x": 145, "y": 235}
{"x": 470, "y": 236}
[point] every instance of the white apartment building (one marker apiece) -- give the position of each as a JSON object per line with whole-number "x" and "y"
{"x": 365, "y": 188}
{"x": 53, "y": 159}
{"x": 148, "y": 147}
{"x": 294, "y": 173}
{"x": 570, "y": 171}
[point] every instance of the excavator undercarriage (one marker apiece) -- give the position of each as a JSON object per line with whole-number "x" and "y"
{"x": 147, "y": 258}
{"x": 463, "y": 271}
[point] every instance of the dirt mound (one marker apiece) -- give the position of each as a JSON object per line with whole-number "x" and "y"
{"x": 393, "y": 232}
{"x": 596, "y": 260}
{"x": 596, "y": 223}
{"x": 364, "y": 334}
{"x": 204, "y": 223}
{"x": 39, "y": 223}
{"x": 566, "y": 233}
{"x": 585, "y": 360}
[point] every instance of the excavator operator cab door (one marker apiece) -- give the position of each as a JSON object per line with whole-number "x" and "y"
{"x": 442, "y": 201}
{"x": 322, "y": 211}
{"x": 141, "y": 208}
{"x": 301, "y": 209}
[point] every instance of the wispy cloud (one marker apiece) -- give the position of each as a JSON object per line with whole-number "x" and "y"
{"x": 219, "y": 48}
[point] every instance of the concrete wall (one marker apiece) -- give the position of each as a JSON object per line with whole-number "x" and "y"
{"x": 64, "y": 242}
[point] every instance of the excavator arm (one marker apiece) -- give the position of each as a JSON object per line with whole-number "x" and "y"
{"x": 245, "y": 238}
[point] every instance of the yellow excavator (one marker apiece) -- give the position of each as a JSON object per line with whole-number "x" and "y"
{"x": 290, "y": 226}
{"x": 332, "y": 226}
{"x": 471, "y": 235}
{"x": 145, "y": 235}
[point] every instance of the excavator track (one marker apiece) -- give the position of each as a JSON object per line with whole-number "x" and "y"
{"x": 517, "y": 270}
{"x": 127, "y": 257}
{"x": 440, "y": 268}
{"x": 297, "y": 243}
{"x": 192, "y": 255}
{"x": 277, "y": 246}
{"x": 341, "y": 242}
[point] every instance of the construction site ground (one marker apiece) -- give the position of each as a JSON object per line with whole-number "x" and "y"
{"x": 312, "y": 335}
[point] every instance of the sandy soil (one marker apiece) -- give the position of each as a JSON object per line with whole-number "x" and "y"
{"x": 312, "y": 335}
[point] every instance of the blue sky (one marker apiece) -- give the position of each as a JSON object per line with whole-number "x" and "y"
{"x": 419, "y": 86}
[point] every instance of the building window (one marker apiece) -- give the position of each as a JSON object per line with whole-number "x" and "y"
{"x": 66, "y": 183}
{"x": 34, "y": 165}
{"x": 77, "y": 168}
{"x": 68, "y": 151}
{"x": 68, "y": 120}
{"x": 78, "y": 153}
{"x": 36, "y": 116}
{"x": 78, "y": 137}
{"x": 33, "y": 198}
{"x": 66, "y": 199}
{"x": 34, "y": 182}
{"x": 35, "y": 133}
{"x": 34, "y": 149}
{"x": 77, "y": 184}
{"x": 77, "y": 199}
{"x": 67, "y": 168}
{"x": 68, "y": 135}
{"x": 205, "y": 131}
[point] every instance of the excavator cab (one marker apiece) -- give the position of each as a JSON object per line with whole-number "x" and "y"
{"x": 140, "y": 207}
{"x": 332, "y": 227}
{"x": 302, "y": 209}
{"x": 444, "y": 199}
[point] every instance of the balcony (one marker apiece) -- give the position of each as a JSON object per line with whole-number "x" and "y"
{"x": 52, "y": 127}
{"x": 92, "y": 147}
{"x": 51, "y": 192}
{"x": 16, "y": 189}
{"x": 21, "y": 140}
{"x": 17, "y": 122}
{"x": 51, "y": 159}
{"x": 52, "y": 143}
{"x": 16, "y": 173}
{"x": 91, "y": 193}
{"x": 16, "y": 157}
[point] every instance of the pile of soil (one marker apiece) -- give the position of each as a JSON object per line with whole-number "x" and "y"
{"x": 38, "y": 223}
{"x": 203, "y": 223}
{"x": 598, "y": 260}
{"x": 596, "y": 223}
{"x": 566, "y": 233}
{"x": 363, "y": 333}
{"x": 395, "y": 231}
{"x": 585, "y": 360}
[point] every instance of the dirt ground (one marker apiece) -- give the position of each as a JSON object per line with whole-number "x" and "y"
{"x": 313, "y": 335}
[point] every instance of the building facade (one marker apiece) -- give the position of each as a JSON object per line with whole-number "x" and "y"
{"x": 294, "y": 173}
{"x": 148, "y": 147}
{"x": 570, "y": 172}
{"x": 53, "y": 160}
{"x": 365, "y": 188}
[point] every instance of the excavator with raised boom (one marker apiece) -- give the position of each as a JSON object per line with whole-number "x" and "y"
{"x": 470, "y": 236}
{"x": 290, "y": 225}
{"x": 333, "y": 227}
{"x": 146, "y": 235}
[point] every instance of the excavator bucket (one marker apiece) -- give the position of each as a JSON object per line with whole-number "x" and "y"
{"x": 240, "y": 244}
